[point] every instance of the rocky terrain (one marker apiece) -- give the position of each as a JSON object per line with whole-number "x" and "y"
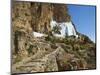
{"x": 48, "y": 53}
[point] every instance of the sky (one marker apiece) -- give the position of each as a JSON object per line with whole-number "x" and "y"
{"x": 83, "y": 16}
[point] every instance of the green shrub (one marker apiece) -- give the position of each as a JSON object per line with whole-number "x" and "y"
{"x": 17, "y": 59}
{"x": 30, "y": 49}
{"x": 56, "y": 29}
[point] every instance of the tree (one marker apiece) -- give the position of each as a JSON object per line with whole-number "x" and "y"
{"x": 56, "y": 29}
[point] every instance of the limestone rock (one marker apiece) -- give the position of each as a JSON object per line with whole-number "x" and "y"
{"x": 60, "y": 13}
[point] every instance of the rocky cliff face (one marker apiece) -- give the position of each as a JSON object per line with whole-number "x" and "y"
{"x": 41, "y": 17}
{"x": 21, "y": 27}
{"x": 46, "y": 54}
{"x": 60, "y": 13}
